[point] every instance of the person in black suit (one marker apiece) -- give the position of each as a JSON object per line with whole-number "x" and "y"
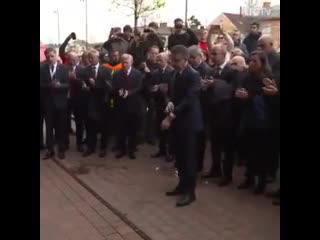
{"x": 184, "y": 118}
{"x": 220, "y": 93}
{"x": 77, "y": 96}
{"x": 99, "y": 87}
{"x": 196, "y": 60}
{"x": 54, "y": 89}
{"x": 148, "y": 68}
{"x": 127, "y": 83}
{"x": 160, "y": 82}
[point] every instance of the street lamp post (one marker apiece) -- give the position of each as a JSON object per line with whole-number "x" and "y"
{"x": 186, "y": 14}
{"x": 58, "y": 19}
{"x": 86, "y": 19}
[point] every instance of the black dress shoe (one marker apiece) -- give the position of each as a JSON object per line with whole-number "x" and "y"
{"x": 88, "y": 153}
{"x": 80, "y": 148}
{"x": 102, "y": 153}
{"x": 175, "y": 192}
{"x": 224, "y": 181}
{"x": 185, "y": 200}
{"x": 49, "y": 154}
{"x": 259, "y": 189}
{"x": 246, "y": 184}
{"x": 158, "y": 155}
{"x": 132, "y": 155}
{"x": 276, "y": 202}
{"x": 61, "y": 155}
{"x": 120, "y": 154}
{"x": 169, "y": 158}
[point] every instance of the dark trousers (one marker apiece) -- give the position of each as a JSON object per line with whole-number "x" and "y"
{"x": 163, "y": 135}
{"x": 95, "y": 126}
{"x": 274, "y": 151}
{"x": 150, "y": 127}
{"x": 255, "y": 143}
{"x": 201, "y": 147}
{"x": 128, "y": 127}
{"x": 186, "y": 161}
{"x": 222, "y": 141}
{"x": 42, "y": 114}
{"x": 79, "y": 113}
{"x": 56, "y": 128}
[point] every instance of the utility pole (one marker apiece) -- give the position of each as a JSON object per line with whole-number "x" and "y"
{"x": 58, "y": 19}
{"x": 186, "y": 14}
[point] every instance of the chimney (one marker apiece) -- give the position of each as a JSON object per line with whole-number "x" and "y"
{"x": 266, "y": 5}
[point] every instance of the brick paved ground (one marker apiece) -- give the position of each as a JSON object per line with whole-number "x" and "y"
{"x": 136, "y": 188}
{"x": 69, "y": 212}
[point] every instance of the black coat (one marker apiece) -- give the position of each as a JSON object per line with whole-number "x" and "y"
{"x": 184, "y": 94}
{"x": 50, "y": 97}
{"x": 251, "y": 42}
{"x": 133, "y": 104}
{"x": 98, "y": 94}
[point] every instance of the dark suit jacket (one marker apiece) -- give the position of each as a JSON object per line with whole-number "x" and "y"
{"x": 133, "y": 84}
{"x": 223, "y": 88}
{"x": 54, "y": 97}
{"x": 184, "y": 94}
{"x": 161, "y": 77}
{"x": 75, "y": 85}
{"x": 204, "y": 70}
{"x": 98, "y": 95}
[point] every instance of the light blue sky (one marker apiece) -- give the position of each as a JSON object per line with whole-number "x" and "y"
{"x": 102, "y": 16}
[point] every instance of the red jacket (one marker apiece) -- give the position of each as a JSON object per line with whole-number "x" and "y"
{"x": 204, "y": 47}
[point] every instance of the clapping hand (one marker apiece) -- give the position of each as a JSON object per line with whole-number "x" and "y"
{"x": 270, "y": 88}
{"x": 241, "y": 93}
{"x": 169, "y": 107}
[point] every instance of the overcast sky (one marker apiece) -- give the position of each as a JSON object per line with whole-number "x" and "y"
{"x": 102, "y": 15}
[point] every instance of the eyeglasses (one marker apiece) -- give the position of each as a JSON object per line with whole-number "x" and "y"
{"x": 220, "y": 37}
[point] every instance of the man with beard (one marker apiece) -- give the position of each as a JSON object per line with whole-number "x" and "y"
{"x": 252, "y": 39}
{"x": 181, "y": 36}
{"x": 54, "y": 96}
{"x": 98, "y": 85}
{"x": 148, "y": 68}
{"x": 184, "y": 120}
{"x": 237, "y": 42}
{"x": 160, "y": 82}
{"x": 196, "y": 60}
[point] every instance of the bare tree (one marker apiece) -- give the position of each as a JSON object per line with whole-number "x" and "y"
{"x": 139, "y": 7}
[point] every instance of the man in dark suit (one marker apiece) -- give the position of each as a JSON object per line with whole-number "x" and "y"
{"x": 77, "y": 96}
{"x": 54, "y": 96}
{"x": 127, "y": 83}
{"x": 196, "y": 60}
{"x": 220, "y": 90}
{"x": 99, "y": 87}
{"x": 160, "y": 83}
{"x": 184, "y": 118}
{"x": 148, "y": 68}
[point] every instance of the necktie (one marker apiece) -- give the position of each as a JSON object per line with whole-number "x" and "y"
{"x": 94, "y": 71}
{"x": 218, "y": 71}
{"x": 51, "y": 68}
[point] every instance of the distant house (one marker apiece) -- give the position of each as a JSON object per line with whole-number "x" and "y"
{"x": 231, "y": 22}
{"x": 269, "y": 24}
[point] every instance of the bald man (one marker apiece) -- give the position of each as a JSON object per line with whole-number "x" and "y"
{"x": 77, "y": 97}
{"x": 160, "y": 81}
{"x": 127, "y": 84}
{"x": 220, "y": 89}
{"x": 98, "y": 84}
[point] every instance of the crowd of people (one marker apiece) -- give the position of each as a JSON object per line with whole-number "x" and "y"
{"x": 211, "y": 88}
